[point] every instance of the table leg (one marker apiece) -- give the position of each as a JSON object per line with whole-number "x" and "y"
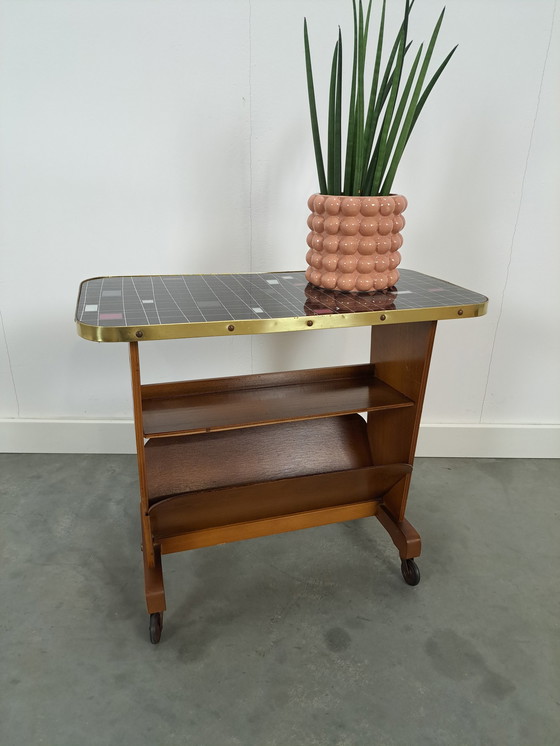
{"x": 401, "y": 355}
{"x": 153, "y": 584}
{"x": 147, "y": 543}
{"x": 153, "y": 575}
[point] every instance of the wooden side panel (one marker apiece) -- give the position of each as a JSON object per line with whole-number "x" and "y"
{"x": 212, "y": 508}
{"x": 401, "y": 355}
{"x": 265, "y": 527}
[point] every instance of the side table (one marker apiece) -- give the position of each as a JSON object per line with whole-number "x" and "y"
{"x": 225, "y": 459}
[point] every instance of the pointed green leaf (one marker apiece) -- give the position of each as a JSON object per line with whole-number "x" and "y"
{"x": 359, "y": 113}
{"x": 332, "y": 115}
{"x": 409, "y": 118}
{"x": 366, "y": 27}
{"x": 313, "y": 113}
{"x": 350, "y": 135}
{"x": 370, "y": 124}
{"x": 389, "y": 65}
{"x": 431, "y": 84}
{"x": 401, "y": 108}
{"x": 370, "y": 133}
{"x": 338, "y": 120}
{"x": 368, "y": 180}
{"x": 383, "y": 135}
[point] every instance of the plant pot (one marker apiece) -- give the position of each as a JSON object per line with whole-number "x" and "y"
{"x": 354, "y": 242}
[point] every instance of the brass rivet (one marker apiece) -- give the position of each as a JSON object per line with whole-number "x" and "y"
{"x": 460, "y": 312}
{"x": 382, "y": 317}
{"x": 139, "y": 334}
{"x": 310, "y": 323}
{"x": 231, "y": 328}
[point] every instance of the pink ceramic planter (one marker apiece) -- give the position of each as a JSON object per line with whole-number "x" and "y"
{"x": 354, "y": 242}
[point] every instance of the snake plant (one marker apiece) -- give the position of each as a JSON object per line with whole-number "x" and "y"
{"x": 378, "y": 129}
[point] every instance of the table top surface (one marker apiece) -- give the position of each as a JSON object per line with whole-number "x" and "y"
{"x": 139, "y": 308}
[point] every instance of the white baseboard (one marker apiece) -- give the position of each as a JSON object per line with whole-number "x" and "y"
{"x": 66, "y": 436}
{"x": 117, "y": 436}
{"x": 489, "y": 441}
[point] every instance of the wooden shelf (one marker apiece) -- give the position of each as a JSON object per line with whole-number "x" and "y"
{"x": 225, "y": 486}
{"x": 190, "y": 407}
{"x": 209, "y": 517}
{"x": 257, "y": 454}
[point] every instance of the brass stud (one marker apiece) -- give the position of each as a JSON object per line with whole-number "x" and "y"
{"x": 382, "y": 317}
{"x": 231, "y": 328}
{"x": 139, "y": 334}
{"x": 460, "y": 312}
{"x": 309, "y": 323}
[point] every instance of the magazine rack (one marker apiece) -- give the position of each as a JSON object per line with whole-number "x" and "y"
{"x": 225, "y": 459}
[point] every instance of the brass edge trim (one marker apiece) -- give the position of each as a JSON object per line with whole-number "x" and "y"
{"x": 268, "y": 326}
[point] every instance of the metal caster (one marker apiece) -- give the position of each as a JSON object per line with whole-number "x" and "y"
{"x": 156, "y": 625}
{"x": 410, "y": 572}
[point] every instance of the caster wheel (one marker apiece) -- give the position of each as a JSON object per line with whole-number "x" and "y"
{"x": 156, "y": 625}
{"x": 410, "y": 572}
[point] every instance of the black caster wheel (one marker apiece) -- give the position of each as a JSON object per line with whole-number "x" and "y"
{"x": 410, "y": 572}
{"x": 156, "y": 625}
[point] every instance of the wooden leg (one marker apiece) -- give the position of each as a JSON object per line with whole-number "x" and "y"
{"x": 153, "y": 584}
{"x": 401, "y": 355}
{"x": 147, "y": 543}
{"x": 153, "y": 575}
{"x": 405, "y": 537}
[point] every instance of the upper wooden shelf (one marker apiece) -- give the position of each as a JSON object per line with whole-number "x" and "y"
{"x": 189, "y": 407}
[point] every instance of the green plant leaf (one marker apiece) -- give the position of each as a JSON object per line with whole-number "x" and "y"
{"x": 332, "y": 117}
{"x": 389, "y": 66}
{"x": 383, "y": 135}
{"x": 313, "y": 113}
{"x": 368, "y": 179}
{"x": 428, "y": 89}
{"x": 401, "y": 107}
{"x": 382, "y": 98}
{"x": 372, "y": 156}
{"x": 370, "y": 121}
{"x": 338, "y": 120}
{"x": 359, "y": 113}
{"x": 409, "y": 118}
{"x": 350, "y": 135}
{"x": 366, "y": 27}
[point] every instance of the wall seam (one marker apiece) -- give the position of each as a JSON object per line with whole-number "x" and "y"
{"x": 519, "y": 206}
{"x": 251, "y": 161}
{"x": 9, "y": 363}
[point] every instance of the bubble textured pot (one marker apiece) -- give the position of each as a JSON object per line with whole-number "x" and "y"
{"x": 354, "y": 242}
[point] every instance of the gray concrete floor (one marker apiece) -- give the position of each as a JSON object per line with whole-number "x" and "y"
{"x": 304, "y": 638}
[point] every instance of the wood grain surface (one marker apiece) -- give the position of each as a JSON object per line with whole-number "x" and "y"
{"x": 256, "y": 454}
{"x": 237, "y": 402}
{"x": 211, "y": 508}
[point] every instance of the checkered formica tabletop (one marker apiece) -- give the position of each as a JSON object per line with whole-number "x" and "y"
{"x": 129, "y": 308}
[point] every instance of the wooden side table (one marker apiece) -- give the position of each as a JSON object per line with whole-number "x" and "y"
{"x": 225, "y": 459}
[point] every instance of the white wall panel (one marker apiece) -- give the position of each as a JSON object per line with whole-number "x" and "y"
{"x": 124, "y": 148}
{"x": 462, "y": 174}
{"x": 170, "y": 136}
{"x": 523, "y": 384}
